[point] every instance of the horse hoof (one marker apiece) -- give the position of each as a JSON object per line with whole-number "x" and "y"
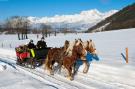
{"x": 63, "y": 67}
{"x": 85, "y": 72}
{"x": 70, "y": 78}
{"x": 51, "y": 73}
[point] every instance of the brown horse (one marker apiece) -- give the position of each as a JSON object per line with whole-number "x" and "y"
{"x": 55, "y": 55}
{"x": 69, "y": 61}
{"x": 83, "y": 54}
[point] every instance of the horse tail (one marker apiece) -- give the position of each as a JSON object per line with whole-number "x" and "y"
{"x": 46, "y": 63}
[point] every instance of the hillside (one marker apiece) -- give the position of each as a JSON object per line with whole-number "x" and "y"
{"x": 123, "y": 19}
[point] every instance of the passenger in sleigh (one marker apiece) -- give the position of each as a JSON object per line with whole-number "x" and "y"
{"x": 31, "y": 45}
{"x": 41, "y": 44}
{"x": 41, "y": 49}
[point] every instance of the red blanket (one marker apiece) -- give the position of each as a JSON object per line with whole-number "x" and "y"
{"x": 23, "y": 55}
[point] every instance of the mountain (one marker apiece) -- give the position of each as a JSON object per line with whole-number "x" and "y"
{"x": 81, "y": 21}
{"x": 123, "y": 19}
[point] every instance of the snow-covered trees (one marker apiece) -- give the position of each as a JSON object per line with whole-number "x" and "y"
{"x": 19, "y": 25}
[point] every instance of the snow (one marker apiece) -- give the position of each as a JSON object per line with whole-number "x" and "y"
{"x": 1, "y": 68}
{"x": 100, "y": 29}
{"x": 89, "y": 15}
{"x": 110, "y": 72}
{"x": 15, "y": 77}
{"x": 83, "y": 20}
{"x": 11, "y": 80}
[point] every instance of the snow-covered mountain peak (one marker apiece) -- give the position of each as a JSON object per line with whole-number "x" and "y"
{"x": 89, "y": 15}
{"x": 83, "y": 20}
{"x": 91, "y": 12}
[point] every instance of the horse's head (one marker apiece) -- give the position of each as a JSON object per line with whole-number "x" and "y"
{"x": 78, "y": 49}
{"x": 80, "y": 40}
{"x": 74, "y": 44}
{"x": 77, "y": 42}
{"x": 69, "y": 46}
{"x": 90, "y": 46}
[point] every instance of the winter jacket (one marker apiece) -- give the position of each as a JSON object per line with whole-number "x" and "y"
{"x": 41, "y": 44}
{"x": 31, "y": 45}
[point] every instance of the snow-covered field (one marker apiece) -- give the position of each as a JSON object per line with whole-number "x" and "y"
{"x": 110, "y": 72}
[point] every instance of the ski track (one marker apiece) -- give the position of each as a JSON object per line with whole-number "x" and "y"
{"x": 104, "y": 81}
{"x": 61, "y": 82}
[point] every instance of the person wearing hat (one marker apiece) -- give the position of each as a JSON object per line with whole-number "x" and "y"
{"x": 31, "y": 44}
{"x": 41, "y": 44}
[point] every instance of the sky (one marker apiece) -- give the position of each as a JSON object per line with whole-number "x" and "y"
{"x": 41, "y": 8}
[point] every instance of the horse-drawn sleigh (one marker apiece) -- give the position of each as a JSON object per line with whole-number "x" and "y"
{"x": 65, "y": 56}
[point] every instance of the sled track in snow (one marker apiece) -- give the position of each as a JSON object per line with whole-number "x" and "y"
{"x": 57, "y": 79}
{"x": 80, "y": 81}
{"x": 8, "y": 63}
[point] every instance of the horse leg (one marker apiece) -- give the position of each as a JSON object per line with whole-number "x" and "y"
{"x": 59, "y": 67}
{"x": 86, "y": 68}
{"x": 70, "y": 73}
{"x": 74, "y": 68}
{"x": 68, "y": 68}
{"x": 51, "y": 68}
{"x": 48, "y": 64}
